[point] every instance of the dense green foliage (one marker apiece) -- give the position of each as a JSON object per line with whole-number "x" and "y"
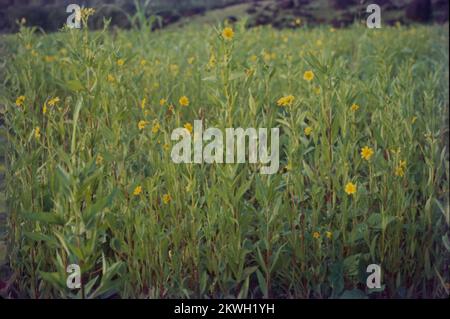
{"x": 86, "y": 185}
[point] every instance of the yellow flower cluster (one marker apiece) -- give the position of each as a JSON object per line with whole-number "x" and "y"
{"x": 286, "y": 100}
{"x": 155, "y": 127}
{"x": 354, "y": 107}
{"x": 308, "y": 130}
{"x": 142, "y": 124}
{"x": 228, "y": 34}
{"x": 166, "y": 198}
{"x": 87, "y": 12}
{"x": 328, "y": 234}
{"x": 53, "y": 101}
{"x": 188, "y": 126}
{"x": 37, "y": 132}
{"x": 308, "y": 76}
{"x": 400, "y": 169}
{"x": 366, "y": 153}
{"x": 184, "y": 101}
{"x": 20, "y": 100}
{"x": 350, "y": 188}
{"x": 137, "y": 191}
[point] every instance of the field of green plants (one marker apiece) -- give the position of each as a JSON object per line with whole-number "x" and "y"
{"x": 363, "y": 175}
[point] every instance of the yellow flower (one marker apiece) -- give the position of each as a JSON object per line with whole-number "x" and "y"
{"x": 316, "y": 235}
{"x": 120, "y": 62}
{"x": 286, "y": 100}
{"x": 111, "y": 78}
{"x": 44, "y": 108}
{"x": 394, "y": 151}
{"x": 143, "y": 62}
{"x": 142, "y": 124}
{"x": 402, "y": 164}
{"x": 298, "y": 21}
{"x": 174, "y": 69}
{"x": 166, "y": 198}
{"x": 49, "y": 58}
{"x": 87, "y": 12}
{"x": 288, "y": 167}
{"x": 99, "y": 160}
{"x": 188, "y": 127}
{"x": 143, "y": 102}
{"x": 399, "y": 171}
{"x": 228, "y": 33}
{"x": 155, "y": 127}
{"x": 308, "y": 75}
{"x": 37, "y": 132}
{"x": 317, "y": 90}
{"x": 267, "y": 57}
{"x": 329, "y": 234}
{"x": 366, "y": 152}
{"x": 162, "y": 102}
{"x": 184, "y": 101}
{"x": 350, "y": 188}
{"x": 308, "y": 130}
{"x": 53, "y": 101}
{"x": 354, "y": 107}
{"x": 137, "y": 191}
{"x": 212, "y": 61}
{"x": 20, "y": 100}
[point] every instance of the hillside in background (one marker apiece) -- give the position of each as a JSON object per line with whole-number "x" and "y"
{"x": 51, "y": 15}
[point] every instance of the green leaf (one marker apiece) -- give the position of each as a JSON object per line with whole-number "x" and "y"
{"x": 74, "y": 123}
{"x": 351, "y": 265}
{"x": 46, "y": 218}
{"x": 74, "y": 85}
{"x": 336, "y": 278}
{"x": 41, "y": 237}
{"x": 262, "y": 283}
{"x": 93, "y": 210}
{"x": 54, "y": 278}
